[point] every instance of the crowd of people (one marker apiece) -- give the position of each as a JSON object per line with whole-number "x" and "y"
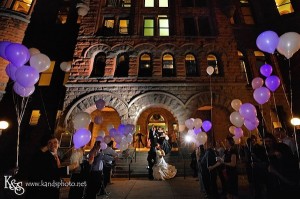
{"x": 271, "y": 166}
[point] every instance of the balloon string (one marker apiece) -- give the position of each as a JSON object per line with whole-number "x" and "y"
{"x": 20, "y": 107}
{"x": 291, "y": 93}
{"x": 211, "y": 108}
{"x": 276, "y": 110}
{"x": 263, "y": 130}
{"x": 291, "y": 88}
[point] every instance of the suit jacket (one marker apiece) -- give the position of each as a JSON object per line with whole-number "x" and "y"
{"x": 153, "y": 136}
{"x": 45, "y": 170}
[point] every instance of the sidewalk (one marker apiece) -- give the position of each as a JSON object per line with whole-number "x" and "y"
{"x": 176, "y": 188}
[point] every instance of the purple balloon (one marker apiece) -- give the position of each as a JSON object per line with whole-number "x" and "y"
{"x": 81, "y": 137}
{"x": 122, "y": 129}
{"x": 266, "y": 70}
{"x": 206, "y": 125}
{"x": 267, "y": 41}
{"x": 248, "y": 111}
{"x": 3, "y": 45}
{"x": 98, "y": 119}
{"x": 251, "y": 124}
{"x": 199, "y": 130}
{"x": 17, "y": 54}
{"x": 238, "y": 132}
{"x": 27, "y": 76}
{"x": 272, "y": 82}
{"x": 23, "y": 91}
{"x": 11, "y": 71}
{"x": 100, "y": 104}
{"x": 261, "y": 95}
{"x": 113, "y": 132}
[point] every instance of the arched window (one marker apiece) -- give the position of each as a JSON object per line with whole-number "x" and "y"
{"x": 145, "y": 66}
{"x": 245, "y": 69}
{"x": 213, "y": 61}
{"x": 122, "y": 66}
{"x": 260, "y": 58}
{"x": 168, "y": 69}
{"x": 99, "y": 65}
{"x": 191, "y": 65}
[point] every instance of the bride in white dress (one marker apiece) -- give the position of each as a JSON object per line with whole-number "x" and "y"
{"x": 162, "y": 170}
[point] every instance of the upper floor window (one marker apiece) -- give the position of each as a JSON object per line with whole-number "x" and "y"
{"x": 244, "y": 15}
{"x": 145, "y": 66}
{"x": 163, "y": 25}
{"x": 244, "y": 67}
{"x": 213, "y": 61}
{"x": 193, "y": 3}
{"x": 190, "y": 28}
{"x": 122, "y": 65}
{"x": 123, "y": 26}
{"x": 99, "y": 65}
{"x": 111, "y": 27}
{"x": 150, "y": 26}
{"x": 191, "y": 65}
{"x": 22, "y": 6}
{"x": 284, "y": 7}
{"x": 168, "y": 68}
{"x": 260, "y": 58}
{"x": 204, "y": 26}
{"x": 157, "y": 3}
{"x": 118, "y": 3}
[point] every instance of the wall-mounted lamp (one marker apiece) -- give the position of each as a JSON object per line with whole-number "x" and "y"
{"x": 3, "y": 125}
{"x": 175, "y": 127}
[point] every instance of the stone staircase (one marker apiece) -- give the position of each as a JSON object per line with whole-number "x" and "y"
{"x": 135, "y": 166}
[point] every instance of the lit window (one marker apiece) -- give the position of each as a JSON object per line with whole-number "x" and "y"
{"x": 22, "y": 6}
{"x": 45, "y": 77}
{"x": 163, "y": 3}
{"x": 34, "y": 118}
{"x": 212, "y": 61}
{"x": 284, "y": 7}
{"x": 123, "y": 27}
{"x": 109, "y": 23}
{"x": 149, "y": 3}
{"x": 145, "y": 69}
{"x": 126, "y": 3}
{"x": 168, "y": 66}
{"x": 163, "y": 27}
{"x": 149, "y": 27}
{"x": 191, "y": 65}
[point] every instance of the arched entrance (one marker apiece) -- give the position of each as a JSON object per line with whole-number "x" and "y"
{"x": 159, "y": 117}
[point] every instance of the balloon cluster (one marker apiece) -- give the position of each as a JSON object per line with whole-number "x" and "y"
{"x": 244, "y": 114}
{"x": 287, "y": 44}
{"x": 197, "y": 130}
{"x": 123, "y": 135}
{"x": 262, "y": 93}
{"x": 24, "y": 76}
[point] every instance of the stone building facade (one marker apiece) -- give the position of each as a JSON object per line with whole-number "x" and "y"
{"x": 180, "y": 95}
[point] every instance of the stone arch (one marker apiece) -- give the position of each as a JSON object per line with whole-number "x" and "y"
{"x": 204, "y": 98}
{"x": 94, "y": 49}
{"x": 156, "y": 99}
{"x": 87, "y": 103}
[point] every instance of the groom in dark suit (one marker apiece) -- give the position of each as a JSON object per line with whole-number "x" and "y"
{"x": 153, "y": 136}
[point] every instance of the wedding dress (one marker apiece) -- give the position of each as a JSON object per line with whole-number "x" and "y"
{"x": 163, "y": 170}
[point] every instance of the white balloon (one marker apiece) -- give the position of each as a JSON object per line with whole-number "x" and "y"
{"x": 101, "y": 133}
{"x": 65, "y": 66}
{"x": 210, "y": 70}
{"x": 197, "y": 123}
{"x": 289, "y": 43}
{"x": 33, "y": 51}
{"x": 81, "y": 120}
{"x": 40, "y": 62}
{"x": 201, "y": 138}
